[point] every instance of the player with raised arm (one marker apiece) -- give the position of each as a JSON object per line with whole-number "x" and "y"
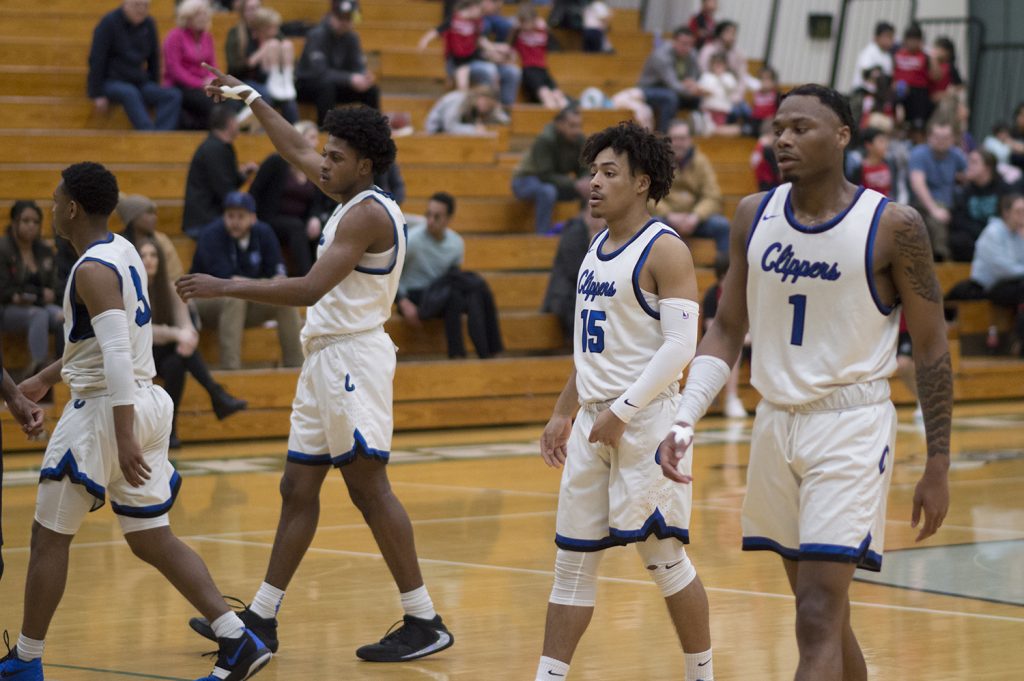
{"x": 112, "y": 439}
{"x": 342, "y": 412}
{"x": 820, "y": 269}
{"x": 636, "y": 329}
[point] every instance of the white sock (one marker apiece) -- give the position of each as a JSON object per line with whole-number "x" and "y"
{"x": 29, "y": 649}
{"x": 228, "y": 625}
{"x": 699, "y": 667}
{"x": 417, "y": 603}
{"x": 550, "y": 669}
{"x": 267, "y": 601}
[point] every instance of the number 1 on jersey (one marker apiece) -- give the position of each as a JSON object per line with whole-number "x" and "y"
{"x": 593, "y": 334}
{"x": 799, "y": 303}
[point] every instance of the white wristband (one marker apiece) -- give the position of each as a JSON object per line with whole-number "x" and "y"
{"x": 253, "y": 96}
{"x": 708, "y": 375}
{"x": 236, "y": 93}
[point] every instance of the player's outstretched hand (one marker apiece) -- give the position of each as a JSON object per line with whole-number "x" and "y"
{"x": 554, "y": 440}
{"x": 199, "y": 286}
{"x": 213, "y": 88}
{"x": 608, "y": 429}
{"x": 673, "y": 449}
{"x": 931, "y": 496}
{"x": 28, "y": 414}
{"x": 134, "y": 467}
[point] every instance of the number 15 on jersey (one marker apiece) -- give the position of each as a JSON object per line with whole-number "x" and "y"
{"x": 593, "y": 335}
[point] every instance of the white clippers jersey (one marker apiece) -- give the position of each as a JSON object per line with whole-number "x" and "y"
{"x": 816, "y": 321}
{"x": 363, "y": 299}
{"x": 83, "y": 359}
{"x": 617, "y": 329}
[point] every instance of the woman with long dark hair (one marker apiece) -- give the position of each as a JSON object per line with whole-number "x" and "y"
{"x": 175, "y": 341}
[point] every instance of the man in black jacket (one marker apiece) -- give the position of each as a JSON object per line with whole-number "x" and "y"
{"x": 124, "y": 66}
{"x": 332, "y": 69}
{"x": 213, "y": 173}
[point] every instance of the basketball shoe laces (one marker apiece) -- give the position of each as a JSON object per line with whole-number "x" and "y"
{"x": 403, "y": 634}
{"x": 236, "y": 604}
{"x": 11, "y": 652}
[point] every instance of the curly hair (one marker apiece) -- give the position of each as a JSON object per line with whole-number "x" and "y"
{"x": 92, "y": 186}
{"x": 366, "y": 130}
{"x": 831, "y": 98}
{"x": 648, "y": 154}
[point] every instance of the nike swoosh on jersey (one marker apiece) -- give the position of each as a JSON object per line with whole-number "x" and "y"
{"x": 630, "y": 404}
{"x": 769, "y": 217}
{"x": 551, "y": 673}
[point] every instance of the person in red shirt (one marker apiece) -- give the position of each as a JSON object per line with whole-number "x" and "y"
{"x": 702, "y": 24}
{"x": 944, "y": 76}
{"x": 461, "y": 36}
{"x": 765, "y": 100}
{"x": 911, "y": 77}
{"x": 875, "y": 172}
{"x": 530, "y": 41}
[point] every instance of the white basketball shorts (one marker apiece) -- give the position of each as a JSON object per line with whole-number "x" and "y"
{"x": 819, "y": 477}
{"x": 342, "y": 403}
{"x": 612, "y": 496}
{"x": 82, "y": 458}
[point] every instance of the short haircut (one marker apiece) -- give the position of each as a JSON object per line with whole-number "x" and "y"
{"x": 883, "y": 27}
{"x": 682, "y": 30}
{"x": 91, "y": 186}
{"x": 945, "y": 43}
{"x": 220, "y": 116}
{"x": 568, "y": 110}
{"x": 870, "y": 134}
{"x": 769, "y": 70}
{"x": 999, "y": 127}
{"x": 22, "y": 205}
{"x": 913, "y": 31}
{"x": 447, "y": 199}
{"x": 366, "y": 130}
{"x": 830, "y": 98}
{"x": 1007, "y": 201}
{"x": 989, "y": 159}
{"x": 648, "y": 154}
{"x": 724, "y": 26}
{"x": 188, "y": 9}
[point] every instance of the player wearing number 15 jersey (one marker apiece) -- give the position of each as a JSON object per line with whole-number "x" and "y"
{"x": 820, "y": 267}
{"x": 635, "y": 331}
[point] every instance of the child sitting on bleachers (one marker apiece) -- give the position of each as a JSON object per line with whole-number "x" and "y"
{"x": 530, "y": 41}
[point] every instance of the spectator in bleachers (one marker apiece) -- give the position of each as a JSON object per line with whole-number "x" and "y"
{"x": 138, "y": 215}
{"x": 873, "y": 96}
{"x": 245, "y": 64}
{"x": 998, "y": 142}
{"x": 552, "y": 171}
{"x": 333, "y": 69}
{"x": 275, "y": 56}
{"x": 186, "y": 47}
{"x": 725, "y": 43}
{"x": 239, "y": 245}
{"x": 214, "y": 172}
{"x": 693, "y": 206}
{"x": 433, "y": 284}
{"x": 702, "y": 24}
{"x": 597, "y": 21}
{"x": 124, "y": 66}
{"x": 911, "y": 77}
{"x": 466, "y": 112}
{"x": 530, "y": 41}
{"x": 669, "y": 78}
{"x": 944, "y": 77}
{"x": 176, "y": 341}
{"x": 762, "y": 160}
{"x": 935, "y": 169}
{"x": 764, "y": 101}
{"x": 560, "y": 296}
{"x": 723, "y": 104}
{"x": 975, "y": 204}
{"x": 27, "y": 284}
{"x": 287, "y": 201}
{"x": 496, "y": 27}
{"x": 998, "y": 263}
{"x": 876, "y": 54}
{"x": 874, "y": 171}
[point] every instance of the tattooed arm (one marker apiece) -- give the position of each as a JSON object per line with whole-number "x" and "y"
{"x": 913, "y": 276}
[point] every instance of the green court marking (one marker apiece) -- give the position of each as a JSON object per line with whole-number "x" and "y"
{"x": 115, "y": 671}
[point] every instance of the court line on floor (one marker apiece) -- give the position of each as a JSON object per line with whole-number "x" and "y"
{"x": 619, "y": 580}
{"x": 136, "y": 675}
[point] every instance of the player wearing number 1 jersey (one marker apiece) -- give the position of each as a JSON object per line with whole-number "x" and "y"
{"x": 819, "y": 270}
{"x": 636, "y": 329}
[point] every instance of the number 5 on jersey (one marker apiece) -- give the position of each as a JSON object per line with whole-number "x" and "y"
{"x": 143, "y": 314}
{"x": 593, "y": 334}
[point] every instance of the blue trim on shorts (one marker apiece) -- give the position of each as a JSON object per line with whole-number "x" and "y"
{"x": 154, "y": 510}
{"x": 67, "y": 467}
{"x": 309, "y": 459}
{"x": 359, "y": 446}
{"x": 835, "y": 553}
{"x": 654, "y": 525}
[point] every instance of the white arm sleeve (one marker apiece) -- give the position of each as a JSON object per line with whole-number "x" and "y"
{"x": 679, "y": 328}
{"x": 708, "y": 375}
{"x": 111, "y": 329}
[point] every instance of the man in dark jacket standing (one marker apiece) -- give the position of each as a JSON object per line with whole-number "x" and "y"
{"x": 213, "y": 173}
{"x": 124, "y": 66}
{"x": 332, "y": 69}
{"x": 551, "y": 171}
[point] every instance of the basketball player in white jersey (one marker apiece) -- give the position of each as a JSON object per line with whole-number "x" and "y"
{"x": 112, "y": 439}
{"x": 820, "y": 268}
{"x": 635, "y": 331}
{"x": 342, "y": 414}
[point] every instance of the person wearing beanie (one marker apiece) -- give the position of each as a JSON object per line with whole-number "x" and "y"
{"x": 138, "y": 215}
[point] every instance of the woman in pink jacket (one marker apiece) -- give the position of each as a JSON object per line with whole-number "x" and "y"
{"x": 185, "y": 49}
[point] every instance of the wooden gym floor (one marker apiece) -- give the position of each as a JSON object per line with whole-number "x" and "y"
{"x": 483, "y": 507}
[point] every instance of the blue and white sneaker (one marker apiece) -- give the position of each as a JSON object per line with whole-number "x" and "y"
{"x": 12, "y": 668}
{"x": 238, "y": 658}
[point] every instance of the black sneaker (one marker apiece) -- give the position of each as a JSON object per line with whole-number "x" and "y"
{"x": 239, "y": 658}
{"x": 265, "y": 629}
{"x": 416, "y": 638}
